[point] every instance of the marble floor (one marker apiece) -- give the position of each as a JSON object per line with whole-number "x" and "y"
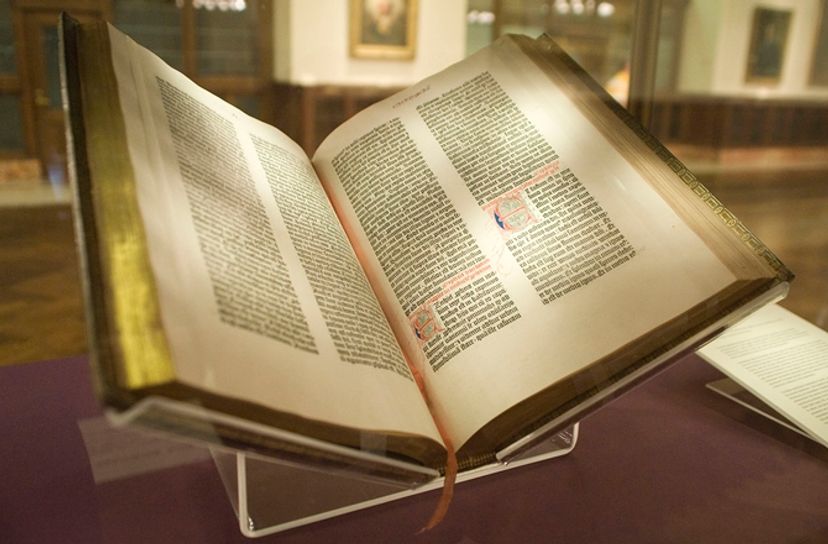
{"x": 41, "y": 310}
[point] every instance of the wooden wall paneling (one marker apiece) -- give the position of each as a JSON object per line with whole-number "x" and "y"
{"x": 307, "y": 119}
{"x": 774, "y": 126}
{"x": 721, "y": 123}
{"x": 287, "y": 109}
{"x": 265, "y": 12}
{"x": 28, "y": 18}
{"x": 188, "y": 38}
{"x": 799, "y": 120}
{"x": 330, "y": 111}
{"x": 309, "y": 113}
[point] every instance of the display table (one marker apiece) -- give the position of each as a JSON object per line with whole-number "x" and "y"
{"x": 669, "y": 462}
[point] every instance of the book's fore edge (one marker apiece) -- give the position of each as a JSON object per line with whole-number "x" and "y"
{"x": 86, "y": 238}
{"x": 129, "y": 340}
{"x": 690, "y": 181}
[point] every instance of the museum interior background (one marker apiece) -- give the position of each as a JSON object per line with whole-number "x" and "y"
{"x": 738, "y": 89}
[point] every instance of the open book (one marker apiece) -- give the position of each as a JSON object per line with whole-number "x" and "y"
{"x": 778, "y": 366}
{"x": 495, "y": 250}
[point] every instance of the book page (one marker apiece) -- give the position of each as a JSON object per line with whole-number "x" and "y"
{"x": 511, "y": 243}
{"x": 261, "y": 296}
{"x": 782, "y": 359}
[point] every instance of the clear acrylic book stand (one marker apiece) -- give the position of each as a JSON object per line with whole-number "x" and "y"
{"x": 282, "y": 490}
{"x": 270, "y": 495}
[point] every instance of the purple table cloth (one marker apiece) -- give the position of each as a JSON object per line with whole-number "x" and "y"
{"x": 668, "y": 462}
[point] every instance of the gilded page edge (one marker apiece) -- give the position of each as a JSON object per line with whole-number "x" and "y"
{"x": 138, "y": 344}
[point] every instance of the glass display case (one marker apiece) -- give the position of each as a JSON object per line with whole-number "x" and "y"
{"x": 736, "y": 90}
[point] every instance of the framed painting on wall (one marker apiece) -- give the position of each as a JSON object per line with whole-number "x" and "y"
{"x": 383, "y": 29}
{"x": 768, "y": 38}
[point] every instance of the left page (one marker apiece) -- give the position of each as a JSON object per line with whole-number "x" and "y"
{"x": 261, "y": 297}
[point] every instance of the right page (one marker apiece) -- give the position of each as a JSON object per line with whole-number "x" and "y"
{"x": 513, "y": 246}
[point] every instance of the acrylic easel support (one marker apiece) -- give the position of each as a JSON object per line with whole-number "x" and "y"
{"x": 271, "y": 495}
